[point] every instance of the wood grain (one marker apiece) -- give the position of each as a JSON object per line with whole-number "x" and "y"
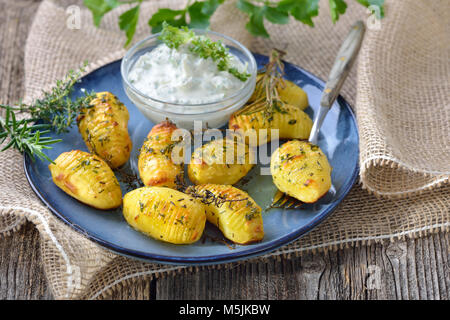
{"x": 408, "y": 269}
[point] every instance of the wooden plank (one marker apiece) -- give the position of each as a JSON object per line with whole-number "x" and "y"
{"x": 140, "y": 290}
{"x": 388, "y": 271}
{"x": 21, "y": 273}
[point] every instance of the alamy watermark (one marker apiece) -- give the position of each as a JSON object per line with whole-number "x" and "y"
{"x": 73, "y": 21}
{"x": 234, "y": 146}
{"x": 373, "y": 22}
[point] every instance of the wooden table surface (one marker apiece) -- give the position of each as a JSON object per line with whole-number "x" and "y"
{"x": 411, "y": 269}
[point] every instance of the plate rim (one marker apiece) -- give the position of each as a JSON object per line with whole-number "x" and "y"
{"x": 211, "y": 259}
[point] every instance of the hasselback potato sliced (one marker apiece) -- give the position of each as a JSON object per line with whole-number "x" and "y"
{"x": 87, "y": 178}
{"x": 291, "y": 122}
{"x": 232, "y": 210}
{"x": 292, "y": 94}
{"x": 221, "y": 161}
{"x": 301, "y": 170}
{"x": 165, "y": 214}
{"x": 104, "y": 128}
{"x": 156, "y": 165}
{"x": 288, "y": 92}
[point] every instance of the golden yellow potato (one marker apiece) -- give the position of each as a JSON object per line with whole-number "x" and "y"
{"x": 301, "y": 170}
{"x": 165, "y": 214}
{"x": 292, "y": 94}
{"x": 232, "y": 210}
{"x": 87, "y": 178}
{"x": 104, "y": 128}
{"x": 156, "y": 166}
{"x": 288, "y": 92}
{"x": 222, "y": 161}
{"x": 291, "y": 122}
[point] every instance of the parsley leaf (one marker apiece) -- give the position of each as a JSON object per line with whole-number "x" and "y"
{"x": 378, "y": 6}
{"x": 301, "y": 10}
{"x": 99, "y": 8}
{"x": 256, "y": 23}
{"x": 199, "y": 19}
{"x": 172, "y": 17}
{"x": 198, "y": 14}
{"x": 337, "y": 7}
{"x": 246, "y": 6}
{"x": 210, "y": 6}
{"x": 275, "y": 15}
{"x": 128, "y": 21}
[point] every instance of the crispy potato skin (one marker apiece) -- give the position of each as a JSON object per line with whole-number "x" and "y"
{"x": 210, "y": 163}
{"x": 301, "y": 170}
{"x": 238, "y": 217}
{"x": 165, "y": 214}
{"x": 155, "y": 164}
{"x": 104, "y": 128}
{"x": 87, "y": 178}
{"x": 292, "y": 94}
{"x": 293, "y": 124}
{"x": 288, "y": 92}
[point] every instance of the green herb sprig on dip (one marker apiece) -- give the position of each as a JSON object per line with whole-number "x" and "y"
{"x": 202, "y": 46}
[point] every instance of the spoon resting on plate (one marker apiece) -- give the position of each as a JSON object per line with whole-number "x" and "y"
{"x": 344, "y": 61}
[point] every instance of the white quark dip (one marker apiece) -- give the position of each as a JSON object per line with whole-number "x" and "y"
{"x": 182, "y": 77}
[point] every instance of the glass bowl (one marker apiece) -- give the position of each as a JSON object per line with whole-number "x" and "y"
{"x": 213, "y": 114}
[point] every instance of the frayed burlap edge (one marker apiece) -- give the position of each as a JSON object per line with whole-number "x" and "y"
{"x": 393, "y": 163}
{"x": 168, "y": 271}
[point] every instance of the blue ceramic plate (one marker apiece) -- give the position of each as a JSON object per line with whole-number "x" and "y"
{"x": 338, "y": 139}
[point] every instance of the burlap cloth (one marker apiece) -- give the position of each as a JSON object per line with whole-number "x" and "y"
{"x": 399, "y": 89}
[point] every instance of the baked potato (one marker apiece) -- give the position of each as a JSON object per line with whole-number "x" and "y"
{"x": 221, "y": 161}
{"x": 156, "y": 166}
{"x": 87, "y": 178}
{"x": 301, "y": 170}
{"x": 232, "y": 210}
{"x": 288, "y": 92}
{"x": 291, "y": 122}
{"x": 104, "y": 128}
{"x": 165, "y": 214}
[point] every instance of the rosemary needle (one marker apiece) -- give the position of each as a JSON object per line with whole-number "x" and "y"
{"x": 57, "y": 111}
{"x": 266, "y": 89}
{"x": 24, "y": 137}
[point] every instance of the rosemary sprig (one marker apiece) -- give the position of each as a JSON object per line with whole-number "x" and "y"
{"x": 131, "y": 180}
{"x": 57, "y": 110}
{"x": 210, "y": 198}
{"x": 24, "y": 137}
{"x": 56, "y": 107}
{"x": 266, "y": 88}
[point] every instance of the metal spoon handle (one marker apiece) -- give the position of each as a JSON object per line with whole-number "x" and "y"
{"x": 341, "y": 68}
